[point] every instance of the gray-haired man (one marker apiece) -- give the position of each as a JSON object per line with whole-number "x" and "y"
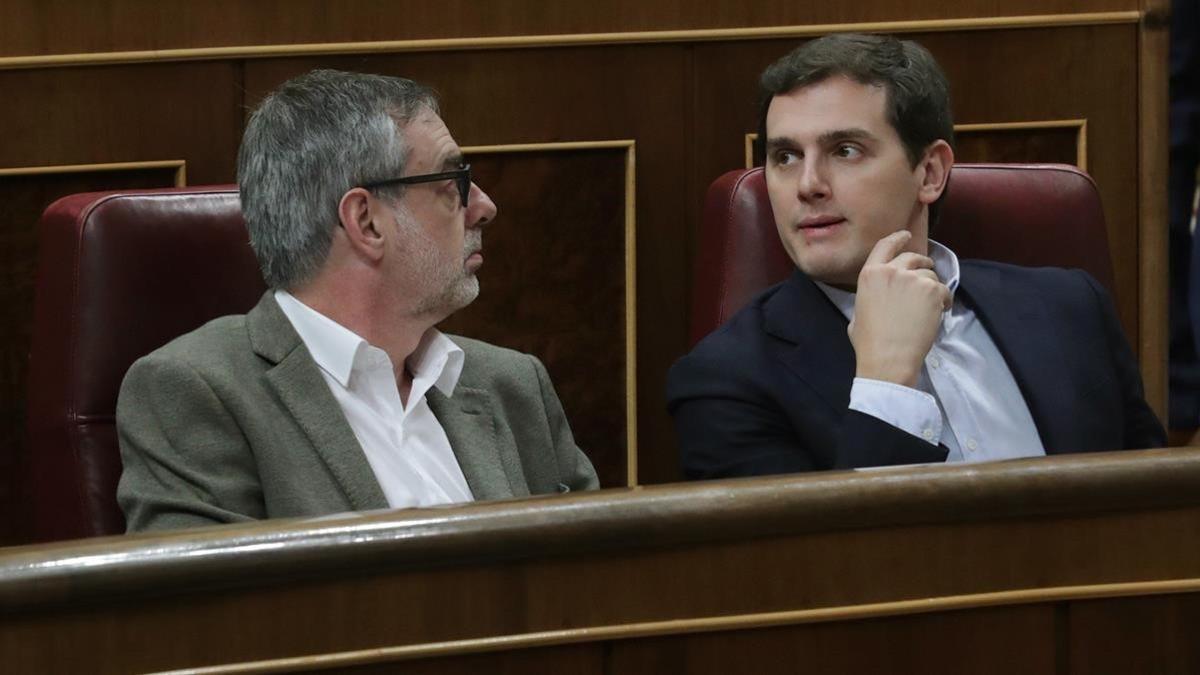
{"x": 336, "y": 393}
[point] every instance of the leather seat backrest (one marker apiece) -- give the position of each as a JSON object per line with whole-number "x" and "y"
{"x": 119, "y": 274}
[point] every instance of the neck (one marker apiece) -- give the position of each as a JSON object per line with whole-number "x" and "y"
{"x": 375, "y": 321}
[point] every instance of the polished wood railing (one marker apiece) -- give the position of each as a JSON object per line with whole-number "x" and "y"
{"x": 1086, "y": 564}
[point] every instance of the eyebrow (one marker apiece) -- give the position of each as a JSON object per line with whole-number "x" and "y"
{"x": 838, "y": 135}
{"x": 454, "y": 160}
{"x": 827, "y": 138}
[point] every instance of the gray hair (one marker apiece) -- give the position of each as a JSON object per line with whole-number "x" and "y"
{"x": 312, "y": 139}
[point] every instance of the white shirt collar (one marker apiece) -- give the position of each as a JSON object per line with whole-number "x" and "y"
{"x": 945, "y": 265}
{"x": 340, "y": 351}
{"x": 436, "y": 359}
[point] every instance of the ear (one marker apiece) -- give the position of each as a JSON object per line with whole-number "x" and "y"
{"x": 934, "y": 171}
{"x": 358, "y": 212}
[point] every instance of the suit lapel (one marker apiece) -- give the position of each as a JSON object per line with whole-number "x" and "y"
{"x": 799, "y": 313}
{"x": 297, "y": 381}
{"x": 1009, "y": 311}
{"x": 488, "y": 460}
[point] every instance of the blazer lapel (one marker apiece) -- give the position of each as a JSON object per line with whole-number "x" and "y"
{"x": 297, "y": 381}
{"x": 801, "y": 315}
{"x": 489, "y": 460}
{"x": 1008, "y": 310}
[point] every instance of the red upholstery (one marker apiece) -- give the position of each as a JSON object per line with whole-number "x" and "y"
{"x": 119, "y": 274}
{"x": 1028, "y": 214}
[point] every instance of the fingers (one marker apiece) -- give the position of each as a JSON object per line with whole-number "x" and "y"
{"x": 912, "y": 261}
{"x": 928, "y": 274}
{"x": 890, "y": 251}
{"x": 887, "y": 248}
{"x": 947, "y": 297}
{"x": 942, "y": 292}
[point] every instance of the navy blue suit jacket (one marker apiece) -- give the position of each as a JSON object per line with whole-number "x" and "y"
{"x": 768, "y": 392}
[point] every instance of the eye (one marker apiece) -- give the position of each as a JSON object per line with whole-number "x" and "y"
{"x": 847, "y": 151}
{"x": 449, "y": 192}
{"x": 784, "y": 157}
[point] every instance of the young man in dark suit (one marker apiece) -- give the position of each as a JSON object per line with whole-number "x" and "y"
{"x": 883, "y": 348}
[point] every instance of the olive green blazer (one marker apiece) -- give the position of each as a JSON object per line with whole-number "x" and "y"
{"x": 234, "y": 422}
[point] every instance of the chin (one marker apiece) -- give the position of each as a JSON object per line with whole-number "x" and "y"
{"x": 833, "y": 276}
{"x": 451, "y": 299}
{"x": 831, "y": 266}
{"x": 463, "y": 294}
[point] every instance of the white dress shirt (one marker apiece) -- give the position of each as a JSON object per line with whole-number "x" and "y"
{"x": 405, "y": 444}
{"x": 965, "y": 398}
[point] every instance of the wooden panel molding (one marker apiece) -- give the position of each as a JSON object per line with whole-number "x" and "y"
{"x": 1153, "y": 137}
{"x": 709, "y": 624}
{"x": 1019, "y": 140}
{"x": 567, "y": 269}
{"x": 700, "y": 564}
{"x": 178, "y": 165}
{"x": 568, "y": 39}
{"x": 1054, "y": 141}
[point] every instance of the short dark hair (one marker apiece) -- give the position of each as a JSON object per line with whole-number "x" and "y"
{"x": 918, "y": 96}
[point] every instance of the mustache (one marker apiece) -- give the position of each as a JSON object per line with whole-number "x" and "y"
{"x": 473, "y": 242}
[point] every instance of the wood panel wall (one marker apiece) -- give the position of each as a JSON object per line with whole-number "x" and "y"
{"x": 127, "y": 81}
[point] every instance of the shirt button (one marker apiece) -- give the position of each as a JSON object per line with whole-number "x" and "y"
{"x": 928, "y": 434}
{"x": 971, "y": 444}
{"x": 934, "y": 362}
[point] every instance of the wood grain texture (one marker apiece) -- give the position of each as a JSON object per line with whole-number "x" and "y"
{"x": 723, "y": 549}
{"x": 1054, "y": 145}
{"x": 1153, "y": 136}
{"x": 974, "y": 643}
{"x": 660, "y": 517}
{"x": 1135, "y": 635}
{"x": 540, "y": 649}
{"x": 587, "y": 659}
{"x": 553, "y": 284}
{"x": 119, "y": 25}
{"x": 125, "y": 114}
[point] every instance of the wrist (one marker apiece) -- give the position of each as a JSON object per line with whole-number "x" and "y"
{"x": 889, "y": 371}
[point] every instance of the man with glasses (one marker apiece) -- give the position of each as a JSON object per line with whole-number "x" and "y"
{"x": 336, "y": 393}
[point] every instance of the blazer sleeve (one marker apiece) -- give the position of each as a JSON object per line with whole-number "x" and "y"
{"x": 574, "y": 468}
{"x": 1142, "y": 428}
{"x": 186, "y": 461}
{"x": 730, "y": 423}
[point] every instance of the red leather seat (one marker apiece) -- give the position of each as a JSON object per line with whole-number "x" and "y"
{"x": 1027, "y": 214}
{"x": 119, "y": 274}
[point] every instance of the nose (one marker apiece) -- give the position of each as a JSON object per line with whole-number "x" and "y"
{"x": 814, "y": 185}
{"x": 480, "y": 207}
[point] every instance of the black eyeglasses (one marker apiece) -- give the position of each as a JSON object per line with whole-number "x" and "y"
{"x": 461, "y": 177}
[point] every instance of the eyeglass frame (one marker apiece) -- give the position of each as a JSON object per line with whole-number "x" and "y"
{"x": 461, "y": 177}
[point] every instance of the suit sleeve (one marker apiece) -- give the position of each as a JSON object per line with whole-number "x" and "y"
{"x": 1142, "y": 429}
{"x": 729, "y": 424}
{"x": 186, "y": 461}
{"x": 575, "y": 469}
